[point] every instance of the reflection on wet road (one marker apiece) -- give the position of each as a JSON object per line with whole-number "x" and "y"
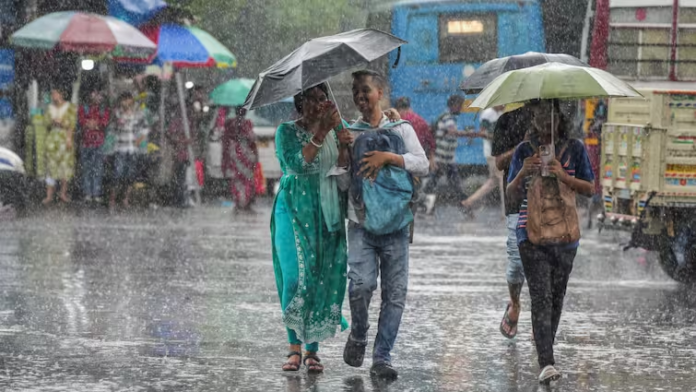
{"x": 186, "y": 301}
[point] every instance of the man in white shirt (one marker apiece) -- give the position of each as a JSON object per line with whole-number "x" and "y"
{"x": 368, "y": 253}
{"x": 495, "y": 177}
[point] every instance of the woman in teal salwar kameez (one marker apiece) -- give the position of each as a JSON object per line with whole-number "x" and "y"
{"x": 308, "y": 225}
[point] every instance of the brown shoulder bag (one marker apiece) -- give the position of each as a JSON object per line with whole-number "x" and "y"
{"x": 552, "y": 217}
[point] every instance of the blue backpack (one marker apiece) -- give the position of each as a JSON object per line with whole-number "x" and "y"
{"x": 383, "y": 206}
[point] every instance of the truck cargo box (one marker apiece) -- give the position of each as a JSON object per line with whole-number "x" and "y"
{"x": 649, "y": 147}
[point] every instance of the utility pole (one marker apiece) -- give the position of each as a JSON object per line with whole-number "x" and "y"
{"x": 586, "y": 32}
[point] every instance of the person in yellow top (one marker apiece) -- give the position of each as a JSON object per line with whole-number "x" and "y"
{"x": 61, "y": 120}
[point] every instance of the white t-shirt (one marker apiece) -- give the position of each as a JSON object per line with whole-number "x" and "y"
{"x": 415, "y": 160}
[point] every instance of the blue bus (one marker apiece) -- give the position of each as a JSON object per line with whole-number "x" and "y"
{"x": 448, "y": 40}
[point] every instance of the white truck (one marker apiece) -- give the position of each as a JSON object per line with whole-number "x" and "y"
{"x": 648, "y": 175}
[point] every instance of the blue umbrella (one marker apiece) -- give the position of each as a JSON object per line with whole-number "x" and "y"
{"x": 135, "y": 12}
{"x": 188, "y": 47}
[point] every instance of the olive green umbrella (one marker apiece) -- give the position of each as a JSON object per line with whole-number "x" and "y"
{"x": 552, "y": 81}
{"x": 232, "y": 93}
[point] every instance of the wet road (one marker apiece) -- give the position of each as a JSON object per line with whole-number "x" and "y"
{"x": 185, "y": 301}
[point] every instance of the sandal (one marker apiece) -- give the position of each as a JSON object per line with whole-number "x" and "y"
{"x": 510, "y": 324}
{"x": 313, "y": 367}
{"x": 292, "y": 366}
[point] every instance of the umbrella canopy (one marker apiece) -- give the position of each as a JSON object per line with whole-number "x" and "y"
{"x": 232, "y": 92}
{"x": 552, "y": 81}
{"x": 318, "y": 60}
{"x": 85, "y": 33}
{"x": 135, "y": 12}
{"x": 188, "y": 47}
{"x": 496, "y": 67}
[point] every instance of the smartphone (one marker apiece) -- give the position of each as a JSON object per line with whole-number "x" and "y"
{"x": 546, "y": 153}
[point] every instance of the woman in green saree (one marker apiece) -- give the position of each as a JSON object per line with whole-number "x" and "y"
{"x": 308, "y": 225}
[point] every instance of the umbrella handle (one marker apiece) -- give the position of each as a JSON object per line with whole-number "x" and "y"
{"x": 398, "y": 57}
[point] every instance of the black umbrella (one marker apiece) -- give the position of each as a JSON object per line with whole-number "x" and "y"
{"x": 317, "y": 61}
{"x": 496, "y": 67}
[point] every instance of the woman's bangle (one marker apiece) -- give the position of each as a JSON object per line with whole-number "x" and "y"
{"x": 317, "y": 145}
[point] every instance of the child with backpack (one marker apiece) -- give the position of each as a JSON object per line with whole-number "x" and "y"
{"x": 385, "y": 156}
{"x": 546, "y": 174}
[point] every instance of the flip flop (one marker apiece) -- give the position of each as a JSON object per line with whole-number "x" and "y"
{"x": 507, "y": 322}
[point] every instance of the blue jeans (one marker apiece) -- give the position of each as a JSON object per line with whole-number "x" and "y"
{"x": 515, "y": 272}
{"x": 368, "y": 256}
{"x": 92, "y": 161}
{"x": 125, "y": 166}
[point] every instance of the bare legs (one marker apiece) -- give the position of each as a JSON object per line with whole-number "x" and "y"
{"x": 51, "y": 192}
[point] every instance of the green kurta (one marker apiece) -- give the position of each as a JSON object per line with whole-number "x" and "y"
{"x": 314, "y": 310}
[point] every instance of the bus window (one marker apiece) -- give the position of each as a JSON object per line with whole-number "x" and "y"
{"x": 686, "y": 50}
{"x": 470, "y": 38}
{"x": 422, "y": 38}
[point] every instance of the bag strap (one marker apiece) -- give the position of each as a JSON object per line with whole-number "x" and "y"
{"x": 360, "y": 127}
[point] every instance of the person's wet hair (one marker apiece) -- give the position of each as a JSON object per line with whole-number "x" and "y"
{"x": 125, "y": 96}
{"x": 376, "y": 77}
{"x": 402, "y": 103}
{"x": 61, "y": 90}
{"x": 299, "y": 99}
{"x": 152, "y": 83}
{"x": 455, "y": 100}
{"x": 564, "y": 126}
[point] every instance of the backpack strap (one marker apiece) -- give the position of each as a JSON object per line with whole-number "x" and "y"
{"x": 366, "y": 127}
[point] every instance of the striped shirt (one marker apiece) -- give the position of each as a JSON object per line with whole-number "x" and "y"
{"x": 128, "y": 127}
{"x": 445, "y": 145}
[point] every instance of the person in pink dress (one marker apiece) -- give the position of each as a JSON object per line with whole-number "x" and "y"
{"x": 239, "y": 159}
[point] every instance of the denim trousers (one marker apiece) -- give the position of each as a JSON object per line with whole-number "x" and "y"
{"x": 369, "y": 256}
{"x": 125, "y": 166}
{"x": 92, "y": 162}
{"x": 515, "y": 271}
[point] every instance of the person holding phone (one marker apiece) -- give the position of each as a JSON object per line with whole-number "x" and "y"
{"x": 564, "y": 166}
{"x": 308, "y": 225}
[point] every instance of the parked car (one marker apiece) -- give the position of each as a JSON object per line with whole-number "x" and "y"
{"x": 13, "y": 187}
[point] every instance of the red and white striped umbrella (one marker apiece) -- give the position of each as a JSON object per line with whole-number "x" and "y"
{"x": 85, "y": 33}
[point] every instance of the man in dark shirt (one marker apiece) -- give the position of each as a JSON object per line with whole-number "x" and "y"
{"x": 510, "y": 130}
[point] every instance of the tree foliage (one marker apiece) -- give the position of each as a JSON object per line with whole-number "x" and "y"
{"x": 260, "y": 32}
